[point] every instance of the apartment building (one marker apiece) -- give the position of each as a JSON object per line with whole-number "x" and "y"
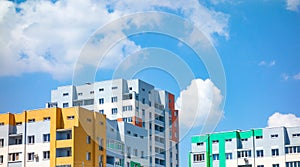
{"x": 53, "y": 137}
{"x": 135, "y": 102}
{"x": 266, "y": 147}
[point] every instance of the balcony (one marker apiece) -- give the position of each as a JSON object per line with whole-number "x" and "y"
{"x": 15, "y": 139}
{"x": 63, "y": 134}
{"x": 63, "y": 152}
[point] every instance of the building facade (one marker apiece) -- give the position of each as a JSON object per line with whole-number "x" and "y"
{"x": 55, "y": 137}
{"x": 135, "y": 102}
{"x": 267, "y": 147}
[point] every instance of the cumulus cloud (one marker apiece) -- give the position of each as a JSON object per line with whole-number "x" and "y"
{"x": 270, "y": 64}
{"x": 41, "y": 36}
{"x": 288, "y": 120}
{"x": 293, "y": 5}
{"x": 199, "y": 105}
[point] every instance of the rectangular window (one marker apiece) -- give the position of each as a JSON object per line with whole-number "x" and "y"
{"x": 200, "y": 144}
{"x": 228, "y": 155}
{"x": 18, "y": 123}
{"x": 1, "y": 143}
{"x": 135, "y": 152}
{"x": 142, "y": 154}
{"x": 260, "y": 153}
{"x": 215, "y": 141}
{"x": 65, "y": 94}
{"x": 244, "y": 154}
{"x": 101, "y": 101}
{"x": 228, "y": 140}
{"x": 79, "y": 94}
{"x": 1, "y": 123}
{"x": 199, "y": 157}
{"x": 244, "y": 139}
{"x": 114, "y": 99}
{"x": 275, "y": 152}
{"x": 293, "y": 164}
{"x": 70, "y": 117}
{"x": 101, "y": 111}
{"x": 1, "y": 159}
{"x": 114, "y": 87}
{"x": 46, "y": 155}
{"x": 31, "y": 120}
{"x": 88, "y": 139}
{"x": 296, "y": 135}
{"x": 46, "y": 137}
{"x": 215, "y": 156}
{"x": 260, "y": 165}
{"x": 12, "y": 157}
{"x": 292, "y": 149}
{"x": 101, "y": 89}
{"x": 91, "y": 92}
{"x": 274, "y": 136}
{"x": 275, "y": 165}
{"x": 259, "y": 137}
{"x": 143, "y": 100}
{"x": 46, "y": 118}
{"x": 65, "y": 105}
{"x": 114, "y": 111}
{"x": 30, "y": 157}
{"x": 30, "y": 139}
{"x": 88, "y": 156}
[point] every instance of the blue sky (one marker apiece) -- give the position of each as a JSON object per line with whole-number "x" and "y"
{"x": 258, "y": 43}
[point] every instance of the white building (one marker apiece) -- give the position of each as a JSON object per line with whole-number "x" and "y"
{"x": 132, "y": 101}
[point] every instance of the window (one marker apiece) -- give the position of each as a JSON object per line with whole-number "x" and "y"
{"x": 228, "y": 155}
{"x": 143, "y": 89}
{"x": 296, "y": 135}
{"x": 46, "y": 155}
{"x": 31, "y": 120}
{"x": 46, "y": 137}
{"x": 260, "y": 153}
{"x": 101, "y": 111}
{"x": 199, "y": 157}
{"x": 244, "y": 139}
{"x": 215, "y": 141}
{"x": 1, "y": 159}
{"x": 65, "y": 105}
{"x": 259, "y": 137}
{"x": 91, "y": 92}
{"x": 114, "y": 87}
{"x": 80, "y": 94}
{"x": 143, "y": 100}
{"x": 260, "y": 165}
{"x": 13, "y": 157}
{"x": 228, "y": 140}
{"x": 65, "y": 94}
{"x": 293, "y": 164}
{"x": 245, "y": 153}
{"x": 114, "y": 111}
{"x": 215, "y": 156}
{"x": 128, "y": 132}
{"x": 292, "y": 149}
{"x": 70, "y": 117}
{"x": 142, "y": 154}
{"x": 135, "y": 152}
{"x": 46, "y": 118}
{"x": 30, "y": 139}
{"x": 101, "y": 89}
{"x": 275, "y": 152}
{"x": 30, "y": 156}
{"x": 114, "y": 99}
{"x": 130, "y": 88}
{"x": 101, "y": 101}
{"x": 18, "y": 123}
{"x": 135, "y": 135}
{"x": 200, "y": 144}
{"x": 274, "y": 136}
{"x": 127, "y": 108}
{"x": 1, "y": 123}
{"x": 1, "y": 143}
{"x": 88, "y": 156}
{"x": 88, "y": 139}
{"x": 275, "y": 165}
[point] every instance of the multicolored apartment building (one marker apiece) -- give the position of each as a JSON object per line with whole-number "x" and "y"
{"x": 266, "y": 147}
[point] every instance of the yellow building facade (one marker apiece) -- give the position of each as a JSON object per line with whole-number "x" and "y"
{"x": 56, "y": 137}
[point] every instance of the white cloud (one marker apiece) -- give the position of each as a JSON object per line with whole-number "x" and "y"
{"x": 270, "y": 64}
{"x": 297, "y": 76}
{"x": 285, "y": 76}
{"x": 293, "y": 5}
{"x": 288, "y": 120}
{"x": 48, "y": 37}
{"x": 199, "y": 105}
